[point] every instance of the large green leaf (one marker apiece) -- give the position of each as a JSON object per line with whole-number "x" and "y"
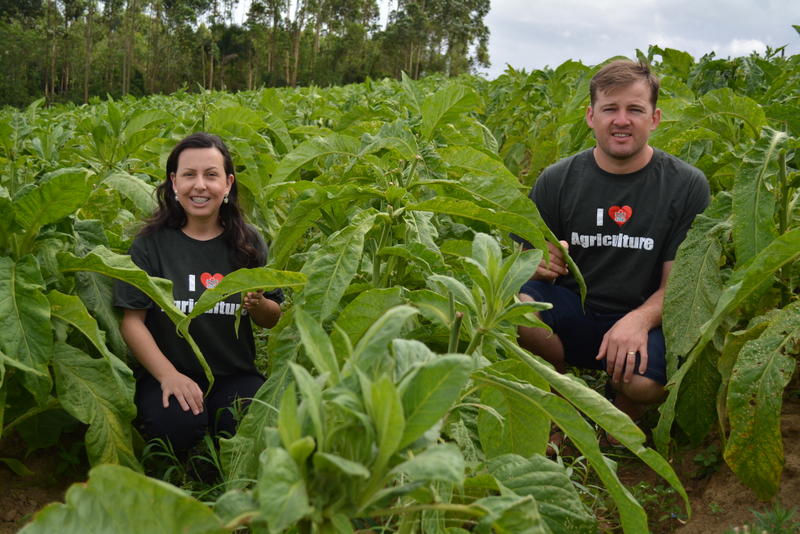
{"x": 602, "y": 412}
{"x": 360, "y": 313}
{"x": 548, "y": 483}
{"x": 565, "y": 416}
{"x": 97, "y": 292}
{"x": 383, "y": 405}
{"x": 26, "y": 334}
{"x": 311, "y": 393}
{"x": 308, "y": 151}
{"x": 103, "y": 261}
{"x": 478, "y": 162}
{"x": 91, "y": 391}
{"x": 526, "y": 224}
{"x": 116, "y": 499}
{"x": 734, "y": 342}
{"x": 441, "y": 462}
{"x": 317, "y": 345}
{"x": 754, "y": 201}
{"x": 524, "y": 429}
{"x": 429, "y": 393}
{"x": 747, "y": 280}
{"x": 510, "y": 514}
{"x": 446, "y": 105}
{"x": 71, "y": 310}
{"x": 50, "y": 201}
{"x": 694, "y": 413}
{"x": 241, "y": 281}
{"x": 333, "y": 266}
{"x": 754, "y": 450}
{"x": 371, "y": 353}
{"x": 693, "y": 288}
{"x": 135, "y": 189}
{"x": 281, "y": 490}
{"x": 239, "y": 454}
{"x": 306, "y": 211}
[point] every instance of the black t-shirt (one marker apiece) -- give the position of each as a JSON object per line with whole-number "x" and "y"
{"x": 621, "y": 228}
{"x": 193, "y": 266}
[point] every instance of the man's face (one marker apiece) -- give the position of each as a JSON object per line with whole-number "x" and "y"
{"x": 622, "y": 121}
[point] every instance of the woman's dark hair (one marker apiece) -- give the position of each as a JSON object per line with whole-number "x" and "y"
{"x": 240, "y": 237}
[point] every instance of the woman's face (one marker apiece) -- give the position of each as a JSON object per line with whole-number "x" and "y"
{"x": 200, "y": 183}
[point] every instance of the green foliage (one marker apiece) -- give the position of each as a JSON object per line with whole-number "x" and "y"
{"x": 397, "y": 396}
{"x": 730, "y": 312}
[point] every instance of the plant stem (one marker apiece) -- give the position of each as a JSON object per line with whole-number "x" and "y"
{"x": 783, "y": 191}
{"x": 376, "y": 264}
{"x": 476, "y": 340}
{"x": 784, "y": 200}
{"x": 442, "y": 507}
{"x": 455, "y": 330}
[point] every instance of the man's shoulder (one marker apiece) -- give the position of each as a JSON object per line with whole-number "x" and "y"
{"x": 677, "y": 166}
{"x": 563, "y": 164}
{"x": 569, "y": 166}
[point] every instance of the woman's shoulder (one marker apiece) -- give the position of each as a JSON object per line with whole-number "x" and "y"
{"x": 254, "y": 237}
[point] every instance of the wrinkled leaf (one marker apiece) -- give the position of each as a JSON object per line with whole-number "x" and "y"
{"x": 118, "y": 499}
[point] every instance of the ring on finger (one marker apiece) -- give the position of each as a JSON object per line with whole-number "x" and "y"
{"x": 631, "y": 353}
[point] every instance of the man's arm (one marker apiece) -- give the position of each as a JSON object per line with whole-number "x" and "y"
{"x": 629, "y": 335}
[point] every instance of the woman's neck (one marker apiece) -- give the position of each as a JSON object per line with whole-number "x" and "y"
{"x": 202, "y": 230}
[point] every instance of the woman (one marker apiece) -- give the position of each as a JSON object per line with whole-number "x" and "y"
{"x": 196, "y": 236}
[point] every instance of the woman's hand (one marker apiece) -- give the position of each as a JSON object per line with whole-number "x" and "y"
{"x": 265, "y": 312}
{"x": 184, "y": 389}
{"x": 252, "y": 300}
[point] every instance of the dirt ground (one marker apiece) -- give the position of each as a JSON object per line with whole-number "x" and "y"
{"x": 719, "y": 501}
{"x": 722, "y": 502}
{"x": 21, "y": 496}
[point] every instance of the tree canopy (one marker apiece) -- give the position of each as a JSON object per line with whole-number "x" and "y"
{"x": 70, "y": 50}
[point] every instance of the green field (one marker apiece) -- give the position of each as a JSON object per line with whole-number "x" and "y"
{"x": 397, "y": 396}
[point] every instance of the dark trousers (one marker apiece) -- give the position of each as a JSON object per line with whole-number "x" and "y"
{"x": 183, "y": 429}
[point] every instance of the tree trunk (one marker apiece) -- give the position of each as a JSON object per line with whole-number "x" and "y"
{"x": 87, "y": 52}
{"x": 50, "y": 79}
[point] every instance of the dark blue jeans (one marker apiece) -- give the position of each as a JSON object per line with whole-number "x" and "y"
{"x": 581, "y": 330}
{"x": 184, "y": 429}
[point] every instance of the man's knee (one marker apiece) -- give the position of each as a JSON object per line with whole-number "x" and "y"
{"x": 642, "y": 389}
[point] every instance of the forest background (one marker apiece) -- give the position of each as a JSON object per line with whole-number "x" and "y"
{"x": 71, "y": 50}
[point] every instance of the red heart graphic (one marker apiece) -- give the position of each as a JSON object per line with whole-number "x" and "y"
{"x": 210, "y": 281}
{"x": 620, "y": 215}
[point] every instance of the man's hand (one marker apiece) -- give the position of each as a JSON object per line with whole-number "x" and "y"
{"x": 184, "y": 389}
{"x": 621, "y": 343}
{"x": 557, "y": 266}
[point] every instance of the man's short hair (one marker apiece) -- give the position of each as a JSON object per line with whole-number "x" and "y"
{"x": 622, "y": 73}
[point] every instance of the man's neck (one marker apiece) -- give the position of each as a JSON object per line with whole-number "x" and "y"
{"x": 623, "y": 166}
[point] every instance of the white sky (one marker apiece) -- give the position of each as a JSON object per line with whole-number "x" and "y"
{"x": 532, "y": 34}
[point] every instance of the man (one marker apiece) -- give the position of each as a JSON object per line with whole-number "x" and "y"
{"x": 622, "y": 208}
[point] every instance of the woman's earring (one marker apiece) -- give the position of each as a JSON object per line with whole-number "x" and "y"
{"x": 225, "y": 198}
{"x": 176, "y": 196}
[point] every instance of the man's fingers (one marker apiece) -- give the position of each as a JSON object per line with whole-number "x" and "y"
{"x": 630, "y": 365}
{"x": 643, "y": 361}
{"x": 602, "y": 352}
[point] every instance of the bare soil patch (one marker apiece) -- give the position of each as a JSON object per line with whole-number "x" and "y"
{"x": 22, "y": 496}
{"x": 722, "y": 502}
